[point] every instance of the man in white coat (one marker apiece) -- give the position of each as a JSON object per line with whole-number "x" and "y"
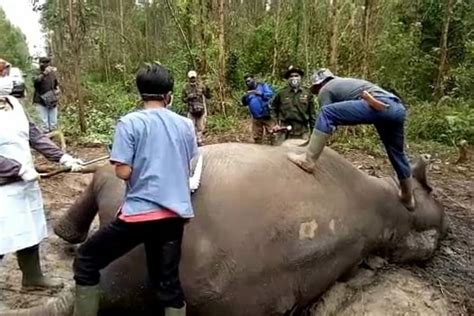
{"x": 22, "y": 218}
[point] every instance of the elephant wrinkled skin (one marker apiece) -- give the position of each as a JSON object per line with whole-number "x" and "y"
{"x": 267, "y": 237}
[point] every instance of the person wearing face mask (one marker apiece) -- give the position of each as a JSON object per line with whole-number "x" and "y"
{"x": 152, "y": 151}
{"x": 22, "y": 218}
{"x": 195, "y": 95}
{"x": 352, "y": 101}
{"x": 257, "y": 99}
{"x": 293, "y": 106}
{"x": 46, "y": 95}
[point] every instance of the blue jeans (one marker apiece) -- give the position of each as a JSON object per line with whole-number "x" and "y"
{"x": 389, "y": 125}
{"x": 48, "y": 117}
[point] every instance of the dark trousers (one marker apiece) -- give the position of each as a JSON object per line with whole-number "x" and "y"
{"x": 389, "y": 124}
{"x": 162, "y": 240}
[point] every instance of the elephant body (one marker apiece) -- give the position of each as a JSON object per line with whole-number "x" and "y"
{"x": 267, "y": 237}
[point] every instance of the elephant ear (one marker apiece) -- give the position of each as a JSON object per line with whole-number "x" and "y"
{"x": 419, "y": 168}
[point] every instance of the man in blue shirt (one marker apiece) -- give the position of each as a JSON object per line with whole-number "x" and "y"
{"x": 257, "y": 99}
{"x": 152, "y": 152}
{"x": 351, "y": 101}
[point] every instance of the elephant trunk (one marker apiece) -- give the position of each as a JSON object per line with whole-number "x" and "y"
{"x": 74, "y": 225}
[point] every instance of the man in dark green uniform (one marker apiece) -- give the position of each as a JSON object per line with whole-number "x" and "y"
{"x": 293, "y": 106}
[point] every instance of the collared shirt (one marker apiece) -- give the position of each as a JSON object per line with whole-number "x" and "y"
{"x": 158, "y": 145}
{"x": 295, "y": 107}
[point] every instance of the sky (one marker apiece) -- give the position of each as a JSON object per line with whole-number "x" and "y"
{"x": 21, "y": 14}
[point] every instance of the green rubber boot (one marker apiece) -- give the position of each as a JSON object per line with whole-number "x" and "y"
{"x": 29, "y": 262}
{"x": 406, "y": 194}
{"x": 315, "y": 147}
{"x": 170, "y": 311}
{"x": 87, "y": 300}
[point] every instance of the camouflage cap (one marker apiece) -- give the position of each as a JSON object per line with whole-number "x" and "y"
{"x": 320, "y": 76}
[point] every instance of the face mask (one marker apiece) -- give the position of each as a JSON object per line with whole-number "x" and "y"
{"x": 294, "y": 82}
{"x": 6, "y": 85}
{"x": 251, "y": 84}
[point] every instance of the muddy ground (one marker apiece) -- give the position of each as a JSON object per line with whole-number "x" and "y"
{"x": 443, "y": 285}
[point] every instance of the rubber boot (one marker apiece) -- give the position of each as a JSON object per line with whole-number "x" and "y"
{"x": 29, "y": 262}
{"x": 406, "y": 194}
{"x": 170, "y": 311}
{"x": 87, "y": 300}
{"x": 315, "y": 147}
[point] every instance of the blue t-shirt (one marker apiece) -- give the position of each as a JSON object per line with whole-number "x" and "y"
{"x": 158, "y": 145}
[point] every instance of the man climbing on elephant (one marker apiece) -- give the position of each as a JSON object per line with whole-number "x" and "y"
{"x": 351, "y": 101}
{"x": 152, "y": 151}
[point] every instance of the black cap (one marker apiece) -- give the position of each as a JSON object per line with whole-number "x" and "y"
{"x": 293, "y": 69}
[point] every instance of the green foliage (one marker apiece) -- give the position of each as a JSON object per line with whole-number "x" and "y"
{"x": 448, "y": 122}
{"x": 400, "y": 51}
{"x": 13, "y": 47}
{"x": 106, "y": 103}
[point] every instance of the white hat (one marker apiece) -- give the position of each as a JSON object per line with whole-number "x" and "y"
{"x": 192, "y": 74}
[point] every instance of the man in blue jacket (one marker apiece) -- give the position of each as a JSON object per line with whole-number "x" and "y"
{"x": 257, "y": 99}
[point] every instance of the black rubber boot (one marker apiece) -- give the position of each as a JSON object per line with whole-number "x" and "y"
{"x": 29, "y": 262}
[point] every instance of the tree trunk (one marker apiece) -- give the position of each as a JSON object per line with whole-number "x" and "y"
{"x": 221, "y": 71}
{"x": 334, "y": 35}
{"x": 183, "y": 35}
{"x": 276, "y": 38}
{"x": 305, "y": 37}
{"x": 202, "y": 38}
{"x": 122, "y": 43}
{"x": 366, "y": 37}
{"x": 76, "y": 44}
{"x": 105, "y": 50}
{"x": 443, "y": 60}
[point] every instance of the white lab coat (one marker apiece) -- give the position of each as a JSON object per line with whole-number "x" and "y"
{"x": 22, "y": 219}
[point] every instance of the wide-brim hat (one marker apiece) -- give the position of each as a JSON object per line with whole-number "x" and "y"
{"x": 293, "y": 69}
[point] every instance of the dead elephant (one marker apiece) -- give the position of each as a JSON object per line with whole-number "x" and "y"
{"x": 268, "y": 238}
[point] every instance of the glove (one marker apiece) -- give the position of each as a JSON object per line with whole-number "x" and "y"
{"x": 193, "y": 183}
{"x": 195, "y": 180}
{"x": 28, "y": 174}
{"x": 73, "y": 163}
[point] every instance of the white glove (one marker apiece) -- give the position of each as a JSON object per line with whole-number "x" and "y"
{"x": 193, "y": 183}
{"x": 71, "y": 162}
{"x": 196, "y": 178}
{"x": 28, "y": 174}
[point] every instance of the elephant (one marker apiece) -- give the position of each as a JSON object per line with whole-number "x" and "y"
{"x": 267, "y": 238}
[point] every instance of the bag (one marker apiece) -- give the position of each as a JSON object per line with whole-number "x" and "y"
{"x": 50, "y": 99}
{"x": 196, "y": 108}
